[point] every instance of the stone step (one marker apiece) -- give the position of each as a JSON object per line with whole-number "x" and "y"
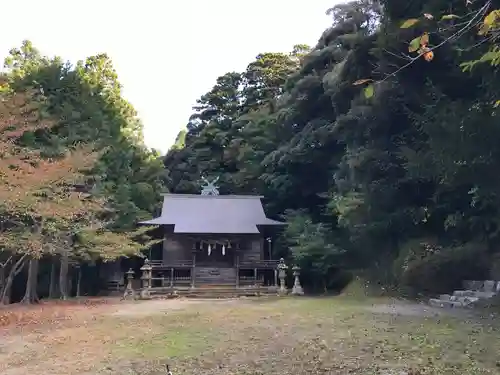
{"x": 473, "y": 285}
{"x": 454, "y": 298}
{"x": 210, "y": 270}
{"x": 473, "y": 293}
{"x": 490, "y": 286}
{"x": 435, "y": 302}
{"x": 216, "y": 296}
{"x": 214, "y": 276}
{"x": 212, "y": 292}
{"x": 216, "y": 280}
{"x": 222, "y": 290}
{"x": 216, "y": 286}
{"x": 446, "y": 297}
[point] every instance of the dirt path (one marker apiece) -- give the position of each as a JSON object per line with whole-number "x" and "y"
{"x": 404, "y": 308}
{"x": 415, "y": 309}
{"x": 145, "y": 308}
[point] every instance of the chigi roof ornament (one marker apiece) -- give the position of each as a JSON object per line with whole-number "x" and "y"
{"x": 209, "y": 188}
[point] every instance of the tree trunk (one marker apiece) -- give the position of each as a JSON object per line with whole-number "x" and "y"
{"x": 2, "y": 278}
{"x": 53, "y": 280}
{"x": 63, "y": 275}
{"x": 69, "y": 288}
{"x": 14, "y": 271}
{"x": 30, "y": 296}
{"x": 79, "y": 282}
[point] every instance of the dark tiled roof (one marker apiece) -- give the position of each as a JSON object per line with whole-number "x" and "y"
{"x": 239, "y": 214}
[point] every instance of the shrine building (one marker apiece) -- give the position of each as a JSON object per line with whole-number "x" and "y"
{"x": 213, "y": 239}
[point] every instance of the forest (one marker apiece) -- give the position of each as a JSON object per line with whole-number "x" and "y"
{"x": 376, "y": 145}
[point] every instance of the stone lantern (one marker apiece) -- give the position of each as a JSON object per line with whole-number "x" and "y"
{"x": 146, "y": 277}
{"x": 282, "y": 267}
{"x": 297, "y": 288}
{"x": 129, "y": 290}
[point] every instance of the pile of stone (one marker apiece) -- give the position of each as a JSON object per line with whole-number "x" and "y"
{"x": 473, "y": 293}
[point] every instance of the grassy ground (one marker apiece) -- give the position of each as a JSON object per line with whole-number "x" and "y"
{"x": 285, "y": 336}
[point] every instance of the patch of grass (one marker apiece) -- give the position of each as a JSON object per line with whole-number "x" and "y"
{"x": 173, "y": 336}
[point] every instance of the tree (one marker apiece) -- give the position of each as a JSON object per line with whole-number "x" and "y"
{"x": 42, "y": 197}
{"x": 215, "y": 138}
{"x": 404, "y": 161}
{"x": 313, "y": 247}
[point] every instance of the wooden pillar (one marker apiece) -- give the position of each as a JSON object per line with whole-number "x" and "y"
{"x": 255, "y": 276}
{"x": 262, "y": 248}
{"x": 237, "y": 265}
{"x": 276, "y": 277}
{"x": 193, "y": 269}
{"x": 172, "y": 277}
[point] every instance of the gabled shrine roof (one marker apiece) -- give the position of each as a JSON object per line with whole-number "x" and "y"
{"x": 237, "y": 214}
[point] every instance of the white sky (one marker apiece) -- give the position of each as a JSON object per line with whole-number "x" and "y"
{"x": 167, "y": 53}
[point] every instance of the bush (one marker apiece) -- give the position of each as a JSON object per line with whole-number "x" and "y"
{"x": 495, "y": 267}
{"x": 334, "y": 282}
{"x": 340, "y": 280}
{"x": 442, "y": 270}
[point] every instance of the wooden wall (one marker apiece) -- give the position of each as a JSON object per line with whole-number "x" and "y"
{"x": 252, "y": 248}
{"x": 178, "y": 247}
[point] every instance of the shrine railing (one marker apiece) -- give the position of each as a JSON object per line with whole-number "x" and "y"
{"x": 156, "y": 264}
{"x": 269, "y": 264}
{"x": 250, "y": 264}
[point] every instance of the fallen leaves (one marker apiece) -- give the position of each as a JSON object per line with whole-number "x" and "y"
{"x": 286, "y": 336}
{"x": 44, "y": 313}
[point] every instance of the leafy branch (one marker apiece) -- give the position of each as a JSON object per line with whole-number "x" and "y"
{"x": 488, "y": 26}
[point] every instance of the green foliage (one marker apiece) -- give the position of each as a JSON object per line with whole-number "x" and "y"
{"x": 102, "y": 244}
{"x": 491, "y": 57}
{"x": 398, "y": 187}
{"x": 440, "y": 270}
{"x": 180, "y": 140}
{"x": 418, "y": 160}
{"x": 312, "y": 244}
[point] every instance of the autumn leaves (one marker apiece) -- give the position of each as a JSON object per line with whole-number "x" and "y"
{"x": 30, "y": 183}
{"x": 420, "y": 44}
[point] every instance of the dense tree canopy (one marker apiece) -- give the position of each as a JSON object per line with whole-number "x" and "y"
{"x": 380, "y": 139}
{"x": 75, "y": 175}
{"x": 378, "y": 146}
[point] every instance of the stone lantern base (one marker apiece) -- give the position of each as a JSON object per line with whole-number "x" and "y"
{"x": 297, "y": 290}
{"x": 145, "y": 294}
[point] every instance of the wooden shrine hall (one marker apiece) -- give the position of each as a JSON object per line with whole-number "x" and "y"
{"x": 214, "y": 240}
